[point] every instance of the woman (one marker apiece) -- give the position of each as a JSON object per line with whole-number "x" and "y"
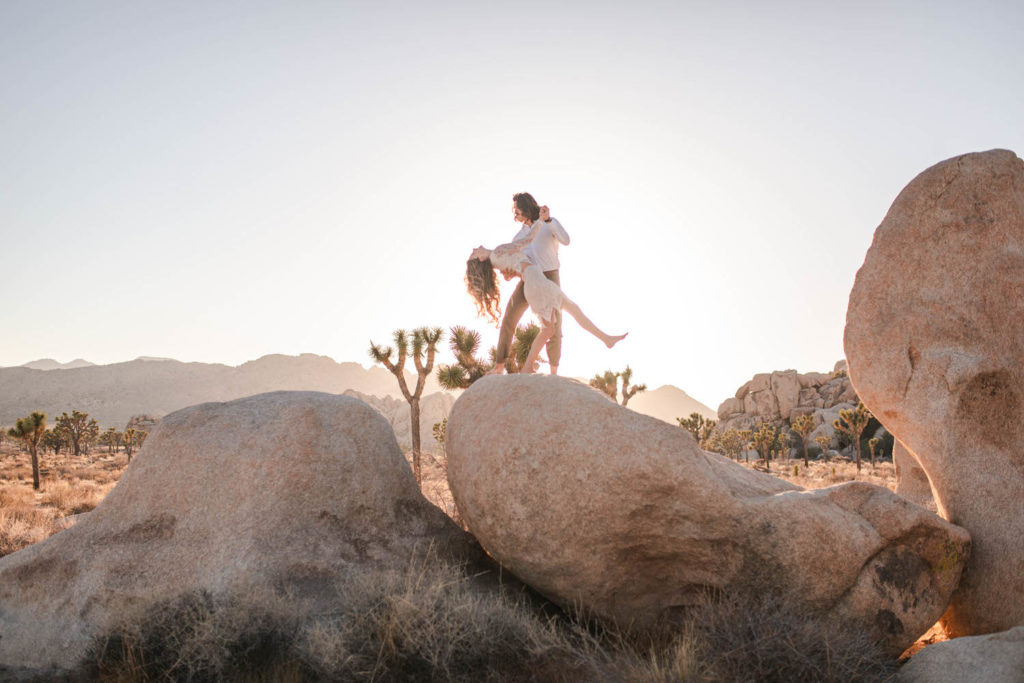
{"x": 545, "y": 298}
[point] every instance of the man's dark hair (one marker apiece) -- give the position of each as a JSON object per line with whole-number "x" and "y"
{"x": 527, "y": 205}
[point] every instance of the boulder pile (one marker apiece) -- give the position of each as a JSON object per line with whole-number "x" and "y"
{"x": 779, "y": 397}
{"x": 935, "y": 338}
{"x": 597, "y": 506}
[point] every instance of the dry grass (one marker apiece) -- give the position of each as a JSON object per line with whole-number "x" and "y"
{"x": 68, "y": 486}
{"x": 433, "y": 622}
{"x": 820, "y": 474}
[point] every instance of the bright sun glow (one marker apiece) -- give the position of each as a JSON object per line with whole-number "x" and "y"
{"x": 203, "y": 183}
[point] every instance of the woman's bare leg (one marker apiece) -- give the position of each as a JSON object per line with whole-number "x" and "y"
{"x": 546, "y": 332}
{"x": 609, "y": 340}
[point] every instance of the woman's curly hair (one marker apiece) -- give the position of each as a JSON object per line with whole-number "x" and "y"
{"x": 483, "y": 287}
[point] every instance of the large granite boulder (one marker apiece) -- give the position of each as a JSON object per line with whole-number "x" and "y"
{"x": 934, "y": 339}
{"x": 280, "y": 492}
{"x": 994, "y": 658}
{"x": 595, "y": 505}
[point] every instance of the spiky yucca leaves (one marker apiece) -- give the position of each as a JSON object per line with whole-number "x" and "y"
{"x": 78, "y": 428}
{"x": 467, "y": 369}
{"x": 607, "y": 384}
{"x": 873, "y": 449}
{"x": 852, "y": 423}
{"x": 423, "y": 343}
{"x": 519, "y": 351}
{"x": 804, "y": 425}
{"x": 824, "y": 443}
{"x": 764, "y": 440}
{"x": 700, "y": 427}
{"x": 627, "y": 392}
{"x": 30, "y": 430}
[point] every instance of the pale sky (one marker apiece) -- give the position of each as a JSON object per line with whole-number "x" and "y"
{"x": 216, "y": 181}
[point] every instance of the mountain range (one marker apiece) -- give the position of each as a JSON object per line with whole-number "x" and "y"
{"x": 114, "y": 393}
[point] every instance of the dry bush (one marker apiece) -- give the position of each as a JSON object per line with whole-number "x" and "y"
{"x": 197, "y": 638}
{"x": 73, "y": 497}
{"x": 432, "y": 622}
{"x": 21, "y": 522}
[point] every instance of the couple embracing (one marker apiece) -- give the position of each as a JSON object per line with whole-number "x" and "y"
{"x": 533, "y": 257}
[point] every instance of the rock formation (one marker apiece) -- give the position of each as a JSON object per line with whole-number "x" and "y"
{"x": 934, "y": 338}
{"x": 596, "y": 505}
{"x": 911, "y": 481}
{"x": 780, "y": 396}
{"x": 281, "y": 492}
{"x": 995, "y": 658}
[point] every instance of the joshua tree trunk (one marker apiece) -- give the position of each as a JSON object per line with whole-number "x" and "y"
{"x": 414, "y": 414}
{"x": 33, "y": 451}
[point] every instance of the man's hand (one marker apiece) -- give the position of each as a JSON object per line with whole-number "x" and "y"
{"x": 545, "y": 213}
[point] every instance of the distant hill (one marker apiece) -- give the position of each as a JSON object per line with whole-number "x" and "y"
{"x": 157, "y": 386}
{"x": 667, "y": 403}
{"x": 51, "y": 364}
{"x": 113, "y": 393}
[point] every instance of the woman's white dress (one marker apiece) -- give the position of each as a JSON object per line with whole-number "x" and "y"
{"x": 544, "y": 296}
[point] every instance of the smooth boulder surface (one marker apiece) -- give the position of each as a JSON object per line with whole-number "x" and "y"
{"x": 598, "y": 506}
{"x": 911, "y": 481}
{"x": 280, "y": 492}
{"x": 994, "y": 658}
{"x": 934, "y": 339}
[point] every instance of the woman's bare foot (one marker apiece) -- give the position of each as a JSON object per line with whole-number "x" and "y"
{"x": 612, "y": 340}
{"x": 498, "y": 369}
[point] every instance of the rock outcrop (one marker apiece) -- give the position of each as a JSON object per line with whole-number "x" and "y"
{"x": 780, "y": 396}
{"x": 934, "y": 338}
{"x": 911, "y": 481}
{"x": 994, "y": 658}
{"x": 279, "y": 492}
{"x": 596, "y": 505}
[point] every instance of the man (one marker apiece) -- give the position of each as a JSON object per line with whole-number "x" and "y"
{"x": 543, "y": 251}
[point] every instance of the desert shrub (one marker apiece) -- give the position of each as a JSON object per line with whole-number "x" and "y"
{"x": 72, "y": 497}
{"x": 751, "y": 640}
{"x": 21, "y": 522}
{"x": 431, "y": 622}
{"x": 195, "y": 637}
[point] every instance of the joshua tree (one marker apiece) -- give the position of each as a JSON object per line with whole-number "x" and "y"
{"x": 852, "y": 423}
{"x": 700, "y": 427}
{"x": 30, "y": 430}
{"x": 607, "y": 384}
{"x": 628, "y": 393}
{"x": 78, "y": 428}
{"x": 873, "y": 448}
{"x": 824, "y": 442}
{"x": 441, "y": 431}
{"x": 733, "y": 442}
{"x": 764, "y": 440}
{"x": 467, "y": 369}
{"x": 803, "y": 425}
{"x": 519, "y": 350}
{"x": 423, "y": 344}
{"x": 111, "y": 438}
{"x": 129, "y": 442}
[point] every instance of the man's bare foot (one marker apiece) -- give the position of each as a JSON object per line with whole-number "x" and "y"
{"x": 530, "y": 368}
{"x": 615, "y": 339}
